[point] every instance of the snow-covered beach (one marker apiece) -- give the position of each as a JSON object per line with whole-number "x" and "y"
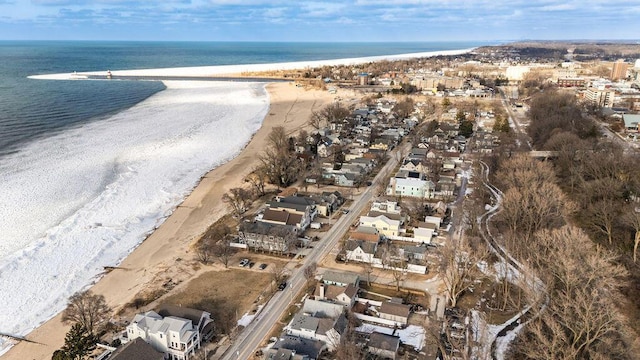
{"x": 128, "y": 173}
{"x": 84, "y": 199}
{"x": 205, "y": 71}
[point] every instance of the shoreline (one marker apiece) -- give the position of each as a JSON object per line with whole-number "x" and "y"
{"x": 238, "y": 70}
{"x": 172, "y": 239}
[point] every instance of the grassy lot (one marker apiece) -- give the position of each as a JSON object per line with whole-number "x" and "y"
{"x": 226, "y": 294}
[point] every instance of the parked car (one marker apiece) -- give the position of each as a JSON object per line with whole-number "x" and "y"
{"x": 244, "y": 262}
{"x": 282, "y": 285}
{"x": 262, "y": 266}
{"x": 251, "y": 264}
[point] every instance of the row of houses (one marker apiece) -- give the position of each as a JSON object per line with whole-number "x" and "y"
{"x": 384, "y": 239}
{"x": 322, "y": 321}
{"x": 285, "y": 218}
{"x": 427, "y": 174}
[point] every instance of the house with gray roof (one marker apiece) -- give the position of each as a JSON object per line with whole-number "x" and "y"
{"x": 296, "y": 348}
{"x": 267, "y": 236}
{"x": 360, "y": 250}
{"x": 340, "y": 278}
{"x": 320, "y": 326}
{"x": 136, "y": 349}
{"x": 383, "y": 346}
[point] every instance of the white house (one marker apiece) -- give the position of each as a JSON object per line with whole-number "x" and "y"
{"x": 411, "y": 187}
{"x": 383, "y": 224}
{"x": 176, "y": 337}
{"x": 319, "y": 320}
{"x": 360, "y": 250}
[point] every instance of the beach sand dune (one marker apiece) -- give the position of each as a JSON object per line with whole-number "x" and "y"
{"x": 290, "y": 106}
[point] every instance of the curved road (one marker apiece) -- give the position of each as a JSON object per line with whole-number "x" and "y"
{"x": 250, "y": 338}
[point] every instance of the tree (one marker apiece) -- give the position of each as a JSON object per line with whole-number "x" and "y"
{"x": 223, "y": 251}
{"x": 78, "y": 343}
{"x": 257, "y": 179}
{"x": 404, "y": 108}
{"x": 466, "y": 128}
{"x": 368, "y": 269}
{"x": 310, "y": 271}
{"x": 580, "y": 320}
{"x": 329, "y": 114}
{"x": 278, "y": 272}
{"x": 238, "y": 199}
{"x": 632, "y": 218}
{"x": 459, "y": 267}
{"x": 204, "y": 251}
{"x": 280, "y": 166}
{"x": 87, "y": 309}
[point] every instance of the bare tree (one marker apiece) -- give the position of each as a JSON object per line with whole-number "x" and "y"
{"x": 87, "y": 309}
{"x": 459, "y": 267}
{"x": 257, "y": 179}
{"x": 238, "y": 199}
{"x": 368, "y": 269}
{"x": 404, "y": 107}
{"x": 632, "y": 218}
{"x": 280, "y": 166}
{"x": 278, "y": 272}
{"x": 580, "y": 320}
{"x": 310, "y": 271}
{"x": 329, "y": 114}
{"x": 602, "y": 217}
{"x": 223, "y": 251}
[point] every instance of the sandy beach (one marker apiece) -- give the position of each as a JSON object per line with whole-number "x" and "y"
{"x": 290, "y": 106}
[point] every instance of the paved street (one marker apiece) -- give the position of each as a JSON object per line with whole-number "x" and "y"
{"x": 248, "y": 341}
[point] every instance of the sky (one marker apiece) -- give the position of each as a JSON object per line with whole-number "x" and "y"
{"x": 328, "y": 20}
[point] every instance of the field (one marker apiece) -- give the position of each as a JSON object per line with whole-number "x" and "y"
{"x": 226, "y": 294}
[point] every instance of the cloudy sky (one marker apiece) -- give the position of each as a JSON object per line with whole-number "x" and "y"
{"x": 329, "y": 20}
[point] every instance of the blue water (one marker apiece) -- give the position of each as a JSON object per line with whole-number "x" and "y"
{"x": 30, "y": 109}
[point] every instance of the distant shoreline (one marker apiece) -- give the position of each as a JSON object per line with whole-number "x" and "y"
{"x": 196, "y": 72}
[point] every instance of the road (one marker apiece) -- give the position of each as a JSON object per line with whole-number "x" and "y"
{"x": 250, "y": 338}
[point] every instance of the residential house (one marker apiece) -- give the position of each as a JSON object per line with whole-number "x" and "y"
{"x": 267, "y": 237}
{"x": 340, "y": 278}
{"x": 295, "y": 205}
{"x": 414, "y": 185}
{"x": 200, "y": 319}
{"x": 411, "y": 252}
{"x": 383, "y": 346}
{"x": 321, "y": 321}
{"x": 424, "y": 231}
{"x": 346, "y": 179}
{"x": 414, "y": 166}
{"x": 434, "y": 219}
{"x": 290, "y": 347}
{"x": 136, "y": 349}
{"x": 283, "y": 217}
{"x": 337, "y": 294}
{"x": 177, "y": 338}
{"x": 398, "y": 313}
{"x": 385, "y": 225}
{"x": 360, "y": 250}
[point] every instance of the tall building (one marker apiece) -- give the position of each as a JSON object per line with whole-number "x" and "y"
{"x": 619, "y": 70}
{"x": 602, "y": 97}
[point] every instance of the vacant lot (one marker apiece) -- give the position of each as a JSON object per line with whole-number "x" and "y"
{"x": 226, "y": 294}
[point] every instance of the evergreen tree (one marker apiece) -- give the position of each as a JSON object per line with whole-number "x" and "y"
{"x": 77, "y": 343}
